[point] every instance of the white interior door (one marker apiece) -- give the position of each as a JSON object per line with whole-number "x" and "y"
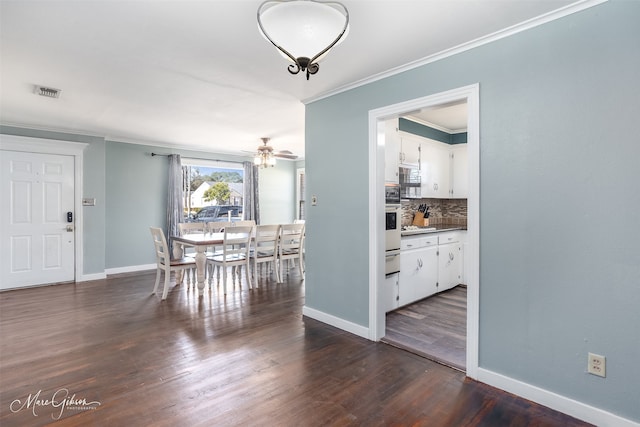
{"x": 36, "y": 219}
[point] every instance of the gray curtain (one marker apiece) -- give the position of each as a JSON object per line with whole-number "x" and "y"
{"x": 174, "y": 197}
{"x": 250, "y": 205}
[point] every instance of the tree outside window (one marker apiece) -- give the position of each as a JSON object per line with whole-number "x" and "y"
{"x": 220, "y": 193}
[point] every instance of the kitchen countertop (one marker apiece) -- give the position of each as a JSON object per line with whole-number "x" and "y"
{"x": 432, "y": 229}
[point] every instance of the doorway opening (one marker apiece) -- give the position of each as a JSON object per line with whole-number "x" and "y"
{"x": 468, "y": 95}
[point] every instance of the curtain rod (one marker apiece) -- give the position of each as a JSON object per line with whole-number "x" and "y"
{"x": 198, "y": 158}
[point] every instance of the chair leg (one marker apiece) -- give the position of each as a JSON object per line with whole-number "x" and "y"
{"x": 247, "y": 274}
{"x": 155, "y": 288}
{"x": 224, "y": 278}
{"x": 300, "y": 267}
{"x": 167, "y": 276}
{"x": 275, "y": 267}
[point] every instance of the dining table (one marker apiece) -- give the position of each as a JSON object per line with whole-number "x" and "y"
{"x": 199, "y": 241}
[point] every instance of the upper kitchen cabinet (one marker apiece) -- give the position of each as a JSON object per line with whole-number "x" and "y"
{"x": 409, "y": 149}
{"x": 391, "y": 151}
{"x": 436, "y": 170}
{"x": 459, "y": 172}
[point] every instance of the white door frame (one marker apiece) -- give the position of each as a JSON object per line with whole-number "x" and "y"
{"x": 65, "y": 148}
{"x": 376, "y": 205}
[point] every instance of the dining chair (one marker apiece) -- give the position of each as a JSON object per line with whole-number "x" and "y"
{"x": 265, "y": 249}
{"x": 244, "y": 223}
{"x": 218, "y": 226}
{"x": 291, "y": 247}
{"x": 235, "y": 253}
{"x": 164, "y": 262}
{"x": 215, "y": 227}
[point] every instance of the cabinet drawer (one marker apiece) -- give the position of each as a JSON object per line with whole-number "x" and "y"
{"x": 448, "y": 237}
{"x": 415, "y": 242}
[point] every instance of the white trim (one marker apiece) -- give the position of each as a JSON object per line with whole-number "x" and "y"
{"x": 376, "y": 204}
{"x": 489, "y": 38}
{"x": 91, "y": 277}
{"x": 337, "y": 322}
{"x": 554, "y": 401}
{"x": 68, "y": 148}
{"x": 130, "y": 269}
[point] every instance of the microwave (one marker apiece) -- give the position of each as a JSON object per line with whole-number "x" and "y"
{"x": 410, "y": 183}
{"x": 391, "y": 194}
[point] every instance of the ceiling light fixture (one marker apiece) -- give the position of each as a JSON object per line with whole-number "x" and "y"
{"x": 303, "y": 30}
{"x": 264, "y": 157}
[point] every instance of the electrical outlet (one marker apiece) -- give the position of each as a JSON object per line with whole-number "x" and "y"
{"x": 314, "y": 200}
{"x": 596, "y": 365}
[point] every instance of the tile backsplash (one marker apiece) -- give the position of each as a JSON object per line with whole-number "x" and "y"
{"x": 441, "y": 211}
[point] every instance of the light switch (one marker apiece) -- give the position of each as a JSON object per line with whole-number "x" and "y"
{"x": 89, "y": 202}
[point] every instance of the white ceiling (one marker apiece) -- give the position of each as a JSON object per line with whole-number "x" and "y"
{"x": 197, "y": 74}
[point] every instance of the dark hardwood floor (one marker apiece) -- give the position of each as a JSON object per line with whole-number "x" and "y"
{"x": 435, "y": 327}
{"x": 115, "y": 355}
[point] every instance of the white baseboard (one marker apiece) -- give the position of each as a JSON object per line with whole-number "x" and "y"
{"x": 554, "y": 401}
{"x": 130, "y": 269}
{"x": 90, "y": 277}
{"x": 329, "y": 319}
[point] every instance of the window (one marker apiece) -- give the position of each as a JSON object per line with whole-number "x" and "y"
{"x": 211, "y": 183}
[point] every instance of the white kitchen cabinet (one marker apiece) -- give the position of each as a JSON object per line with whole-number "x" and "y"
{"x": 450, "y": 260}
{"x": 410, "y": 146}
{"x": 436, "y": 169}
{"x": 391, "y": 151}
{"x": 391, "y": 292}
{"x": 459, "y": 188}
{"x": 429, "y": 263}
{"x": 418, "y": 268}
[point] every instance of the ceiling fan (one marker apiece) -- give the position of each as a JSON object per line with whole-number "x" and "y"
{"x": 266, "y": 156}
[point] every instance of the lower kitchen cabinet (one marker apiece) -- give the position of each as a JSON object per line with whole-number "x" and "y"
{"x": 418, "y": 268}
{"x": 449, "y": 266}
{"x": 429, "y": 263}
{"x": 450, "y": 263}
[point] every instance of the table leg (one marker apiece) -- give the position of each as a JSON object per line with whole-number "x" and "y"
{"x": 201, "y": 263}
{"x": 178, "y": 253}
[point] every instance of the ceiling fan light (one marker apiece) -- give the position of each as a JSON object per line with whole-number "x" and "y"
{"x": 303, "y": 30}
{"x": 264, "y": 157}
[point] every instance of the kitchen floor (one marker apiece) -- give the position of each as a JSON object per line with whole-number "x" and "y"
{"x": 435, "y": 327}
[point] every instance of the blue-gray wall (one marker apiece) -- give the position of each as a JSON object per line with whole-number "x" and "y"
{"x": 130, "y": 188}
{"x": 277, "y": 193}
{"x": 559, "y": 255}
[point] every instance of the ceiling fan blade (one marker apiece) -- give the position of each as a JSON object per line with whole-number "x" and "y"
{"x": 285, "y": 154}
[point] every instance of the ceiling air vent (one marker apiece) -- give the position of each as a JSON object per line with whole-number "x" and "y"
{"x": 48, "y": 92}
